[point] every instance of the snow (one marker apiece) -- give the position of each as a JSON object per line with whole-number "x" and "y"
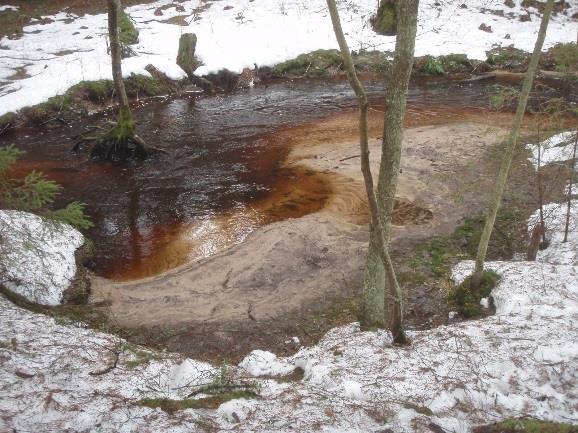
{"x": 8, "y": 8}
{"x": 37, "y": 256}
{"x": 263, "y": 363}
{"x": 522, "y": 361}
{"x": 559, "y": 252}
{"x": 558, "y": 148}
{"x": 59, "y": 54}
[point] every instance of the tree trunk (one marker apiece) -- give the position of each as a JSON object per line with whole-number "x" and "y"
{"x": 396, "y": 101}
{"x": 186, "y": 55}
{"x": 376, "y": 225}
{"x": 570, "y": 187}
{"x": 114, "y": 8}
{"x": 496, "y": 198}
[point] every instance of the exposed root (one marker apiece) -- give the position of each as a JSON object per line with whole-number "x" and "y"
{"x": 118, "y": 143}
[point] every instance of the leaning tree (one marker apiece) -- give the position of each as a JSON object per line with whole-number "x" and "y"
{"x": 379, "y": 272}
{"x": 496, "y": 198}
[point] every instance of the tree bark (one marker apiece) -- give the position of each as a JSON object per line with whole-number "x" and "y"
{"x": 496, "y": 198}
{"x": 376, "y": 225}
{"x": 570, "y": 187}
{"x": 375, "y": 282}
{"x": 114, "y": 8}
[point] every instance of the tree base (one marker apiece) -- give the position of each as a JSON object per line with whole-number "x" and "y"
{"x": 119, "y": 143}
{"x": 119, "y": 148}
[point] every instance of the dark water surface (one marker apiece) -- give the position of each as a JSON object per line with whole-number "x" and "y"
{"x": 220, "y": 176}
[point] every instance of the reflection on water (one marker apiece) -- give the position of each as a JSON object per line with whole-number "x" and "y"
{"x": 221, "y": 177}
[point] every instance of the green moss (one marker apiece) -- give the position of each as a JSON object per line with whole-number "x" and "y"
{"x": 7, "y": 120}
{"x": 322, "y": 62}
{"x": 430, "y": 66}
{"x": 41, "y": 113}
{"x": 128, "y": 32}
{"x": 211, "y": 402}
{"x": 138, "y": 85}
{"x": 468, "y": 301}
{"x": 95, "y": 91}
{"x": 565, "y": 57}
{"x": 385, "y": 21}
{"x": 435, "y": 255}
{"x": 455, "y": 63}
{"x": 124, "y": 128}
{"x": 370, "y": 61}
{"x": 505, "y": 238}
{"x": 313, "y": 63}
{"x": 508, "y": 58}
{"x": 528, "y": 425}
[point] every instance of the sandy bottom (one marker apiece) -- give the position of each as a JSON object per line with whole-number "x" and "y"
{"x": 283, "y": 268}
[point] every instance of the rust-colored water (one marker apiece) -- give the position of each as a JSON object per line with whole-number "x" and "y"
{"x": 222, "y": 176}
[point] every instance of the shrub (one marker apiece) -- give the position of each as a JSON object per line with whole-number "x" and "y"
{"x": 34, "y": 193}
{"x": 432, "y": 66}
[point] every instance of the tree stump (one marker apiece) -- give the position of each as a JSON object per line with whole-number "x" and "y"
{"x": 186, "y": 56}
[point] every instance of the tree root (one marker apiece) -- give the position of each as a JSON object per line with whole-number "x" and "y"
{"x": 117, "y": 144}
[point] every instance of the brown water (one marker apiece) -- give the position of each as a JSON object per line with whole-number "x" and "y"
{"x": 221, "y": 177}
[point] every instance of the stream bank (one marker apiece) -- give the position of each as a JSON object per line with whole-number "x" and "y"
{"x": 272, "y": 207}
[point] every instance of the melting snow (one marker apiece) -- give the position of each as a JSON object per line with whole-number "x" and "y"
{"x": 37, "y": 256}
{"x": 59, "y": 54}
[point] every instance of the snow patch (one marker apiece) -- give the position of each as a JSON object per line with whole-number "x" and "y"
{"x": 263, "y": 363}
{"x": 37, "y": 256}
{"x": 74, "y": 48}
{"x": 558, "y": 148}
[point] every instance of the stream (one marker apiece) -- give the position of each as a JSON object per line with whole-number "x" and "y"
{"x": 221, "y": 177}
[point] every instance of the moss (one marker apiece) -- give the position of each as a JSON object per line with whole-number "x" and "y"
{"x": 124, "y": 128}
{"x": 313, "y": 63}
{"x": 324, "y": 62}
{"x": 468, "y": 301}
{"x": 136, "y": 85}
{"x": 565, "y": 57}
{"x": 211, "y": 402}
{"x": 7, "y": 120}
{"x": 141, "y": 85}
{"x": 504, "y": 242}
{"x": 527, "y": 425}
{"x": 385, "y": 21}
{"x": 435, "y": 255}
{"x": 430, "y": 66}
{"x": 455, "y": 63}
{"x": 508, "y": 58}
{"x": 95, "y": 91}
{"x": 370, "y": 61}
{"x": 128, "y": 34}
{"x": 43, "y": 112}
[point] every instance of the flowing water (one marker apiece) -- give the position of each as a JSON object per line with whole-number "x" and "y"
{"x": 221, "y": 177}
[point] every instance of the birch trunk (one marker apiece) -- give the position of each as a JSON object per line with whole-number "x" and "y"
{"x": 375, "y": 283}
{"x": 496, "y": 198}
{"x": 376, "y": 225}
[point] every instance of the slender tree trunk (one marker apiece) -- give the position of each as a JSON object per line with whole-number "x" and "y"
{"x": 496, "y": 198}
{"x": 375, "y": 282}
{"x": 376, "y": 225}
{"x": 570, "y": 186}
{"x": 114, "y": 8}
{"x": 541, "y": 186}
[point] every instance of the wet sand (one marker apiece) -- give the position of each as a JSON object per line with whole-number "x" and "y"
{"x": 284, "y": 267}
